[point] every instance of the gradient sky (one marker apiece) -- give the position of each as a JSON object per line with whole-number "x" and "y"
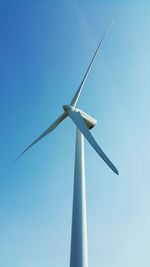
{"x": 45, "y": 48}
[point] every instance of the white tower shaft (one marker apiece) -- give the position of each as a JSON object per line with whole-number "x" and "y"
{"x": 79, "y": 246}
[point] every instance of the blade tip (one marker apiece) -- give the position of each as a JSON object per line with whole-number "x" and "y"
{"x": 16, "y": 159}
{"x": 117, "y": 172}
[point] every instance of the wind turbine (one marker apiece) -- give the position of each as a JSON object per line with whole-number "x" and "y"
{"x": 84, "y": 123}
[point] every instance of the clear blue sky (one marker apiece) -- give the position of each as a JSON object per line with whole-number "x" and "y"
{"x": 45, "y": 47}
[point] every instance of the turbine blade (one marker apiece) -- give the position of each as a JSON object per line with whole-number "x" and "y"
{"x": 78, "y": 92}
{"x": 50, "y": 129}
{"x": 78, "y": 120}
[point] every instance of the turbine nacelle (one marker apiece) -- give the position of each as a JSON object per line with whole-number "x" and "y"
{"x": 90, "y": 122}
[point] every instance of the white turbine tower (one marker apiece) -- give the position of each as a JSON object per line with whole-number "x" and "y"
{"x": 83, "y": 122}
